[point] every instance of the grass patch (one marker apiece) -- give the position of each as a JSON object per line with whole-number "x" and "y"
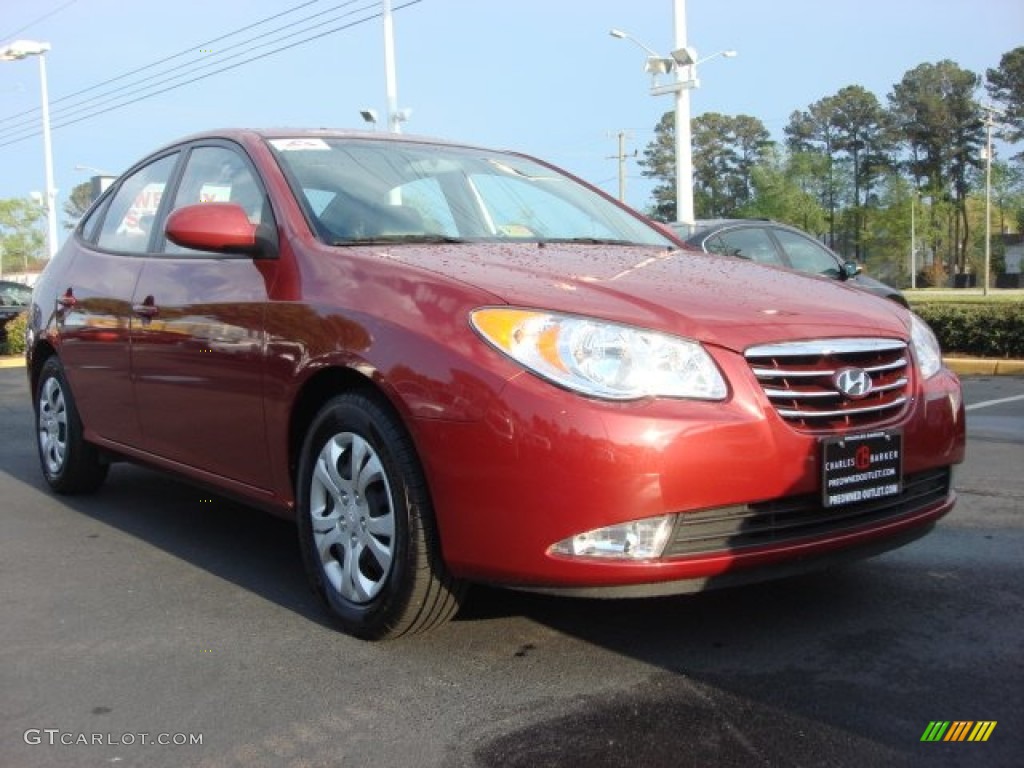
{"x": 967, "y": 297}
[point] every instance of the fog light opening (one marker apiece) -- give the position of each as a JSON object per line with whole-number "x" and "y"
{"x": 635, "y": 540}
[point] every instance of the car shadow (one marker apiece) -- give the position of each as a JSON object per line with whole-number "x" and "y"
{"x": 245, "y": 546}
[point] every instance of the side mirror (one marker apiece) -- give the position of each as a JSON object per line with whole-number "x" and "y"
{"x": 217, "y": 227}
{"x": 850, "y": 269}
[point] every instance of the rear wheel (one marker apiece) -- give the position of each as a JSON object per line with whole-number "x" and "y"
{"x": 366, "y": 525}
{"x": 70, "y": 464}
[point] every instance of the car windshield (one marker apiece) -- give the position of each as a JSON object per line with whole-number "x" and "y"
{"x": 357, "y": 191}
{"x": 15, "y": 295}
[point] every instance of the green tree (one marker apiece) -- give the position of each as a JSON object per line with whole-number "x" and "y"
{"x": 862, "y": 131}
{"x": 1005, "y": 85}
{"x": 77, "y": 204}
{"x": 785, "y": 189}
{"x": 659, "y": 163}
{"x": 814, "y": 132}
{"x": 941, "y": 127}
{"x": 21, "y": 240}
{"x": 725, "y": 151}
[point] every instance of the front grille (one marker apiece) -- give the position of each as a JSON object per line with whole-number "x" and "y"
{"x": 727, "y": 529}
{"x": 799, "y": 380}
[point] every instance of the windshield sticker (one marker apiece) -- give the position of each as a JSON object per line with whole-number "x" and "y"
{"x": 291, "y": 145}
{"x": 214, "y": 193}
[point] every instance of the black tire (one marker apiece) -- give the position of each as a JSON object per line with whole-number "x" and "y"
{"x": 366, "y": 525}
{"x": 70, "y": 464}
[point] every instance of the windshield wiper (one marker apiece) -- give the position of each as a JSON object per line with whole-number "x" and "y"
{"x": 393, "y": 239}
{"x": 587, "y": 241}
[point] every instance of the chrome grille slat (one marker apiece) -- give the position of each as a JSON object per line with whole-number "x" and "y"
{"x": 774, "y": 393}
{"x": 793, "y": 414}
{"x": 797, "y": 394}
{"x": 820, "y": 347}
{"x": 798, "y": 379}
{"x": 889, "y": 367}
{"x": 779, "y": 373}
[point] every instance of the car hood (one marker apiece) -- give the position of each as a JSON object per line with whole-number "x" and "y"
{"x": 876, "y": 287}
{"x": 727, "y": 302}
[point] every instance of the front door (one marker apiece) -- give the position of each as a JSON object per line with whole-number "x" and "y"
{"x": 198, "y": 338}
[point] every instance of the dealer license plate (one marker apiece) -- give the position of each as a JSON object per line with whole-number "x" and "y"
{"x": 861, "y": 467}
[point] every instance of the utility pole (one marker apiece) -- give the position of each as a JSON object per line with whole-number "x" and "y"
{"x": 621, "y": 157}
{"x": 913, "y": 236}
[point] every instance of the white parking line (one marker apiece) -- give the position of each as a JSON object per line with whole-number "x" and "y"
{"x": 987, "y": 403}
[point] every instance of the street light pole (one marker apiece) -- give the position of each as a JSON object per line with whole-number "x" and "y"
{"x": 682, "y": 58}
{"x": 989, "y": 122}
{"x": 684, "y": 142}
{"x": 20, "y": 49}
{"x": 51, "y": 191}
{"x": 390, "y": 77}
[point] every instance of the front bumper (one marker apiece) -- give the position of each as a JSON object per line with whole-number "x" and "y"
{"x": 544, "y": 464}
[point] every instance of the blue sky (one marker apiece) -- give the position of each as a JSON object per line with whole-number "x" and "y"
{"x": 540, "y": 76}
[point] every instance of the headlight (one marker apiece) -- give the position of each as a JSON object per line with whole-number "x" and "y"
{"x": 602, "y": 359}
{"x": 926, "y": 347}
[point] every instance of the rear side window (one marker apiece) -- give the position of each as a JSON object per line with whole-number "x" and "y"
{"x": 129, "y": 218}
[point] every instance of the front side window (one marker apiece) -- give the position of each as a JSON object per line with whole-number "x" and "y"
{"x": 358, "y": 190}
{"x": 807, "y": 255}
{"x": 128, "y": 222}
{"x": 217, "y": 174}
{"x": 748, "y": 243}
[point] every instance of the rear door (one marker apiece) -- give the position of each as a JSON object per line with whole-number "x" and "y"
{"x": 198, "y": 337}
{"x": 94, "y": 311}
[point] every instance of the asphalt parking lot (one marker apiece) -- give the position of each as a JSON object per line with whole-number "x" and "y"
{"x": 154, "y": 612}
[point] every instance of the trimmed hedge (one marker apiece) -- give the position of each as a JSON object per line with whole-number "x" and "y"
{"x": 15, "y": 329}
{"x": 978, "y": 330}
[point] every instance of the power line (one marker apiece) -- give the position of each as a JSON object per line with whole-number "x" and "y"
{"x": 44, "y": 17}
{"x": 104, "y": 110}
{"x": 164, "y": 60}
{"x": 29, "y": 120}
{"x": 29, "y": 116}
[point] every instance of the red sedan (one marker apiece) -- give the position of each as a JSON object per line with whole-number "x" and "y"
{"x": 451, "y": 365}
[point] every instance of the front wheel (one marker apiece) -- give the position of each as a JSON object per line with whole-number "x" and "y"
{"x": 366, "y": 526}
{"x": 70, "y": 464}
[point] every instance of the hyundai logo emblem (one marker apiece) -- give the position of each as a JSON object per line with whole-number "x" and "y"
{"x": 855, "y": 383}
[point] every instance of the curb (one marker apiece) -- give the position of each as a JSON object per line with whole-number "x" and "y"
{"x": 977, "y": 366}
{"x": 16, "y": 361}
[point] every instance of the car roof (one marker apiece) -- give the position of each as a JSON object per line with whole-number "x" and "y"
{"x": 704, "y": 227}
{"x": 243, "y": 135}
